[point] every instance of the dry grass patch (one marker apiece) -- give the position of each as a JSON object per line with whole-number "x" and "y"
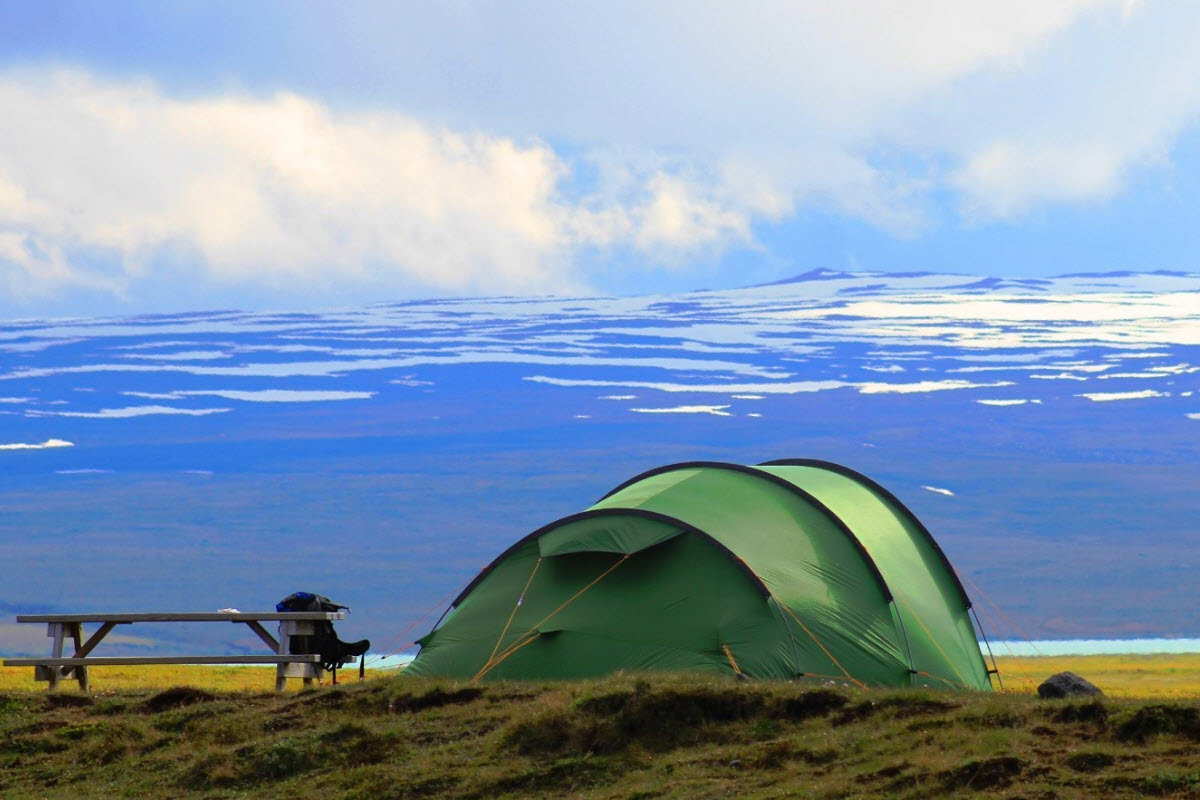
{"x": 627, "y": 736}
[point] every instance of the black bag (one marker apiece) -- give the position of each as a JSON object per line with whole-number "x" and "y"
{"x": 324, "y": 641}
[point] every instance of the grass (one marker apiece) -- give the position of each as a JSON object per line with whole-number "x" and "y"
{"x": 623, "y": 737}
{"x": 145, "y": 733}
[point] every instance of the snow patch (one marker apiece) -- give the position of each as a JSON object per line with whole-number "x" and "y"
{"x": 718, "y": 411}
{"x": 1062, "y": 376}
{"x": 49, "y": 444}
{"x": 793, "y": 387}
{"x": 130, "y": 411}
{"x": 186, "y": 355}
{"x": 924, "y": 386}
{"x": 409, "y": 380}
{"x": 1101, "y": 397}
{"x": 258, "y": 395}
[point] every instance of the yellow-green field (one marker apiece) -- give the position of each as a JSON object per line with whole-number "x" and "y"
{"x": 1163, "y": 676}
{"x": 215, "y": 679}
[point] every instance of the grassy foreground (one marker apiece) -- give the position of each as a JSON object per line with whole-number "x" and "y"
{"x": 622, "y": 737}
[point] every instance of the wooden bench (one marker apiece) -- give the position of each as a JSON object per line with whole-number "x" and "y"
{"x": 60, "y": 627}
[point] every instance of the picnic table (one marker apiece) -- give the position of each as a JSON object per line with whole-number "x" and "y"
{"x": 61, "y": 627}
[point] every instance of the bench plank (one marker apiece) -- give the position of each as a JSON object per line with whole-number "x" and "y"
{"x": 100, "y": 661}
{"x": 186, "y": 616}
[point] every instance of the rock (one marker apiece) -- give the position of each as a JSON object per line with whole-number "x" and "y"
{"x": 1066, "y": 684}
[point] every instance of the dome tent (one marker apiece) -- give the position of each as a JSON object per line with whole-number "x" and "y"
{"x": 788, "y": 569}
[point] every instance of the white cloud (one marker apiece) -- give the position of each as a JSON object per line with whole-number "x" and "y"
{"x": 678, "y": 218}
{"x": 1020, "y": 402}
{"x": 272, "y": 190}
{"x": 1014, "y": 104}
{"x": 102, "y": 181}
{"x": 1004, "y": 179}
{"x": 48, "y": 444}
{"x": 1107, "y": 97}
{"x": 938, "y": 490}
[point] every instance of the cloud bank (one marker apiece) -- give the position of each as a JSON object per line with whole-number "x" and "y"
{"x": 658, "y": 137}
{"x": 103, "y": 182}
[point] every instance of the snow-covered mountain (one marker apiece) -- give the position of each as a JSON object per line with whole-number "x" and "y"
{"x": 1045, "y": 429}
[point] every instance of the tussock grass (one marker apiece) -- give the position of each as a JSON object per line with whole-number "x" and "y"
{"x": 205, "y": 732}
{"x": 662, "y": 736}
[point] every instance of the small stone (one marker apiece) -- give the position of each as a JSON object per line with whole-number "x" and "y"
{"x": 1067, "y": 684}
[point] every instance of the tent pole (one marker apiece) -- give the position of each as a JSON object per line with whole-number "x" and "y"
{"x": 995, "y": 670}
{"x": 912, "y": 667}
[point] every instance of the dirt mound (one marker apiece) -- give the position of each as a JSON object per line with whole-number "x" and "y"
{"x": 178, "y": 697}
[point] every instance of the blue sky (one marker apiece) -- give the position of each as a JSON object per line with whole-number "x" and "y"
{"x": 162, "y": 156}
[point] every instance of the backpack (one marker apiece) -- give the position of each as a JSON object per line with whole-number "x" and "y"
{"x": 324, "y": 641}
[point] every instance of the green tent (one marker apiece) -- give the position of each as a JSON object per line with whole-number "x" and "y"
{"x": 794, "y": 568}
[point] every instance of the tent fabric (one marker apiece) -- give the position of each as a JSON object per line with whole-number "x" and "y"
{"x": 789, "y": 569}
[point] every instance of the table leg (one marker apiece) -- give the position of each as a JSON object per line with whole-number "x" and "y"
{"x": 56, "y": 631}
{"x": 285, "y": 640}
{"x": 81, "y": 674}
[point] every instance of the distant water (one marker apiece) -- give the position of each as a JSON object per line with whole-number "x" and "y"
{"x": 1095, "y": 647}
{"x": 380, "y": 661}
